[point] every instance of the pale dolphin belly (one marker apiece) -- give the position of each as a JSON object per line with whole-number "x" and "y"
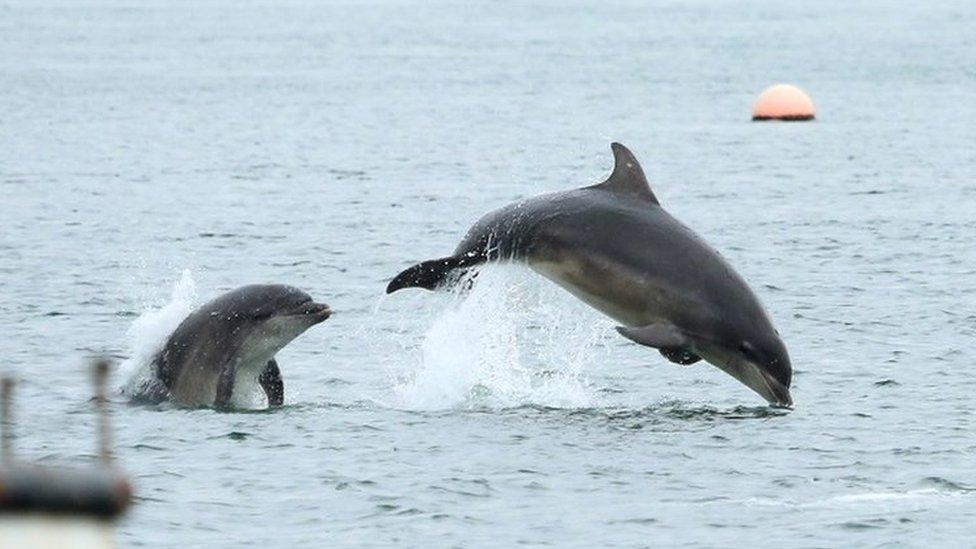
{"x": 196, "y": 384}
{"x": 247, "y": 390}
{"x": 620, "y": 293}
{"x": 253, "y": 358}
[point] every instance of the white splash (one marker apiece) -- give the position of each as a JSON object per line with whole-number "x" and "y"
{"x": 149, "y": 331}
{"x": 514, "y": 339}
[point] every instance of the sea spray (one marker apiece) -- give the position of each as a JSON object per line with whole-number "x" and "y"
{"x": 148, "y": 333}
{"x": 506, "y": 337}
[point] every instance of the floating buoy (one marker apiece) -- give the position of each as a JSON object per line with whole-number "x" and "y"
{"x": 783, "y": 102}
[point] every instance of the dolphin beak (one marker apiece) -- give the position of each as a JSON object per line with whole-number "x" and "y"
{"x": 776, "y": 393}
{"x": 759, "y": 380}
{"x": 320, "y": 311}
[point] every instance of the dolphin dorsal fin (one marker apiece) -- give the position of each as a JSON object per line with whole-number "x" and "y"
{"x": 627, "y": 177}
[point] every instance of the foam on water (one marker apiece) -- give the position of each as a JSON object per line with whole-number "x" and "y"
{"x": 909, "y": 498}
{"x": 149, "y": 331}
{"x": 513, "y": 339}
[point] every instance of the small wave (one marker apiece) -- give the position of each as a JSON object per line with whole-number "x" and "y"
{"x": 871, "y": 524}
{"x": 233, "y": 435}
{"x": 947, "y": 485}
{"x": 672, "y": 415}
{"x": 886, "y": 383}
{"x": 683, "y": 411}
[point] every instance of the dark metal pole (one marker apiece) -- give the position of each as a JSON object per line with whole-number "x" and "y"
{"x": 100, "y": 371}
{"x": 6, "y": 419}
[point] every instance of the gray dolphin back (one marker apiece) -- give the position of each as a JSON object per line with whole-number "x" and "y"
{"x": 511, "y": 232}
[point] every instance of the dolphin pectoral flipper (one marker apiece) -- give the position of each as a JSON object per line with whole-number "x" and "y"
{"x": 680, "y": 355}
{"x": 666, "y": 338}
{"x": 274, "y": 387}
{"x": 659, "y": 335}
{"x": 429, "y": 274}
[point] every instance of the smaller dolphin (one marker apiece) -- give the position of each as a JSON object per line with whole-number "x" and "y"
{"x": 227, "y": 346}
{"x": 614, "y": 247}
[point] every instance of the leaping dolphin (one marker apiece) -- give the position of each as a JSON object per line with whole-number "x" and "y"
{"x": 613, "y": 246}
{"x": 227, "y": 346}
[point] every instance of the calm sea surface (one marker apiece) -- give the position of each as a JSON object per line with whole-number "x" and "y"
{"x": 155, "y": 154}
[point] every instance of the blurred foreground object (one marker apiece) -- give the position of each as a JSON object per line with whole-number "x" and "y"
{"x": 783, "y": 102}
{"x": 60, "y": 508}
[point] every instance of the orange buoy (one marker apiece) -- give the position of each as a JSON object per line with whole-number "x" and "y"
{"x": 783, "y": 102}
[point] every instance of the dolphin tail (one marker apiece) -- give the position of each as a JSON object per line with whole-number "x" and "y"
{"x": 430, "y": 274}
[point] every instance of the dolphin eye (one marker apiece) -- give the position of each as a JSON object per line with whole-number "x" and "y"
{"x": 746, "y": 349}
{"x": 261, "y": 315}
